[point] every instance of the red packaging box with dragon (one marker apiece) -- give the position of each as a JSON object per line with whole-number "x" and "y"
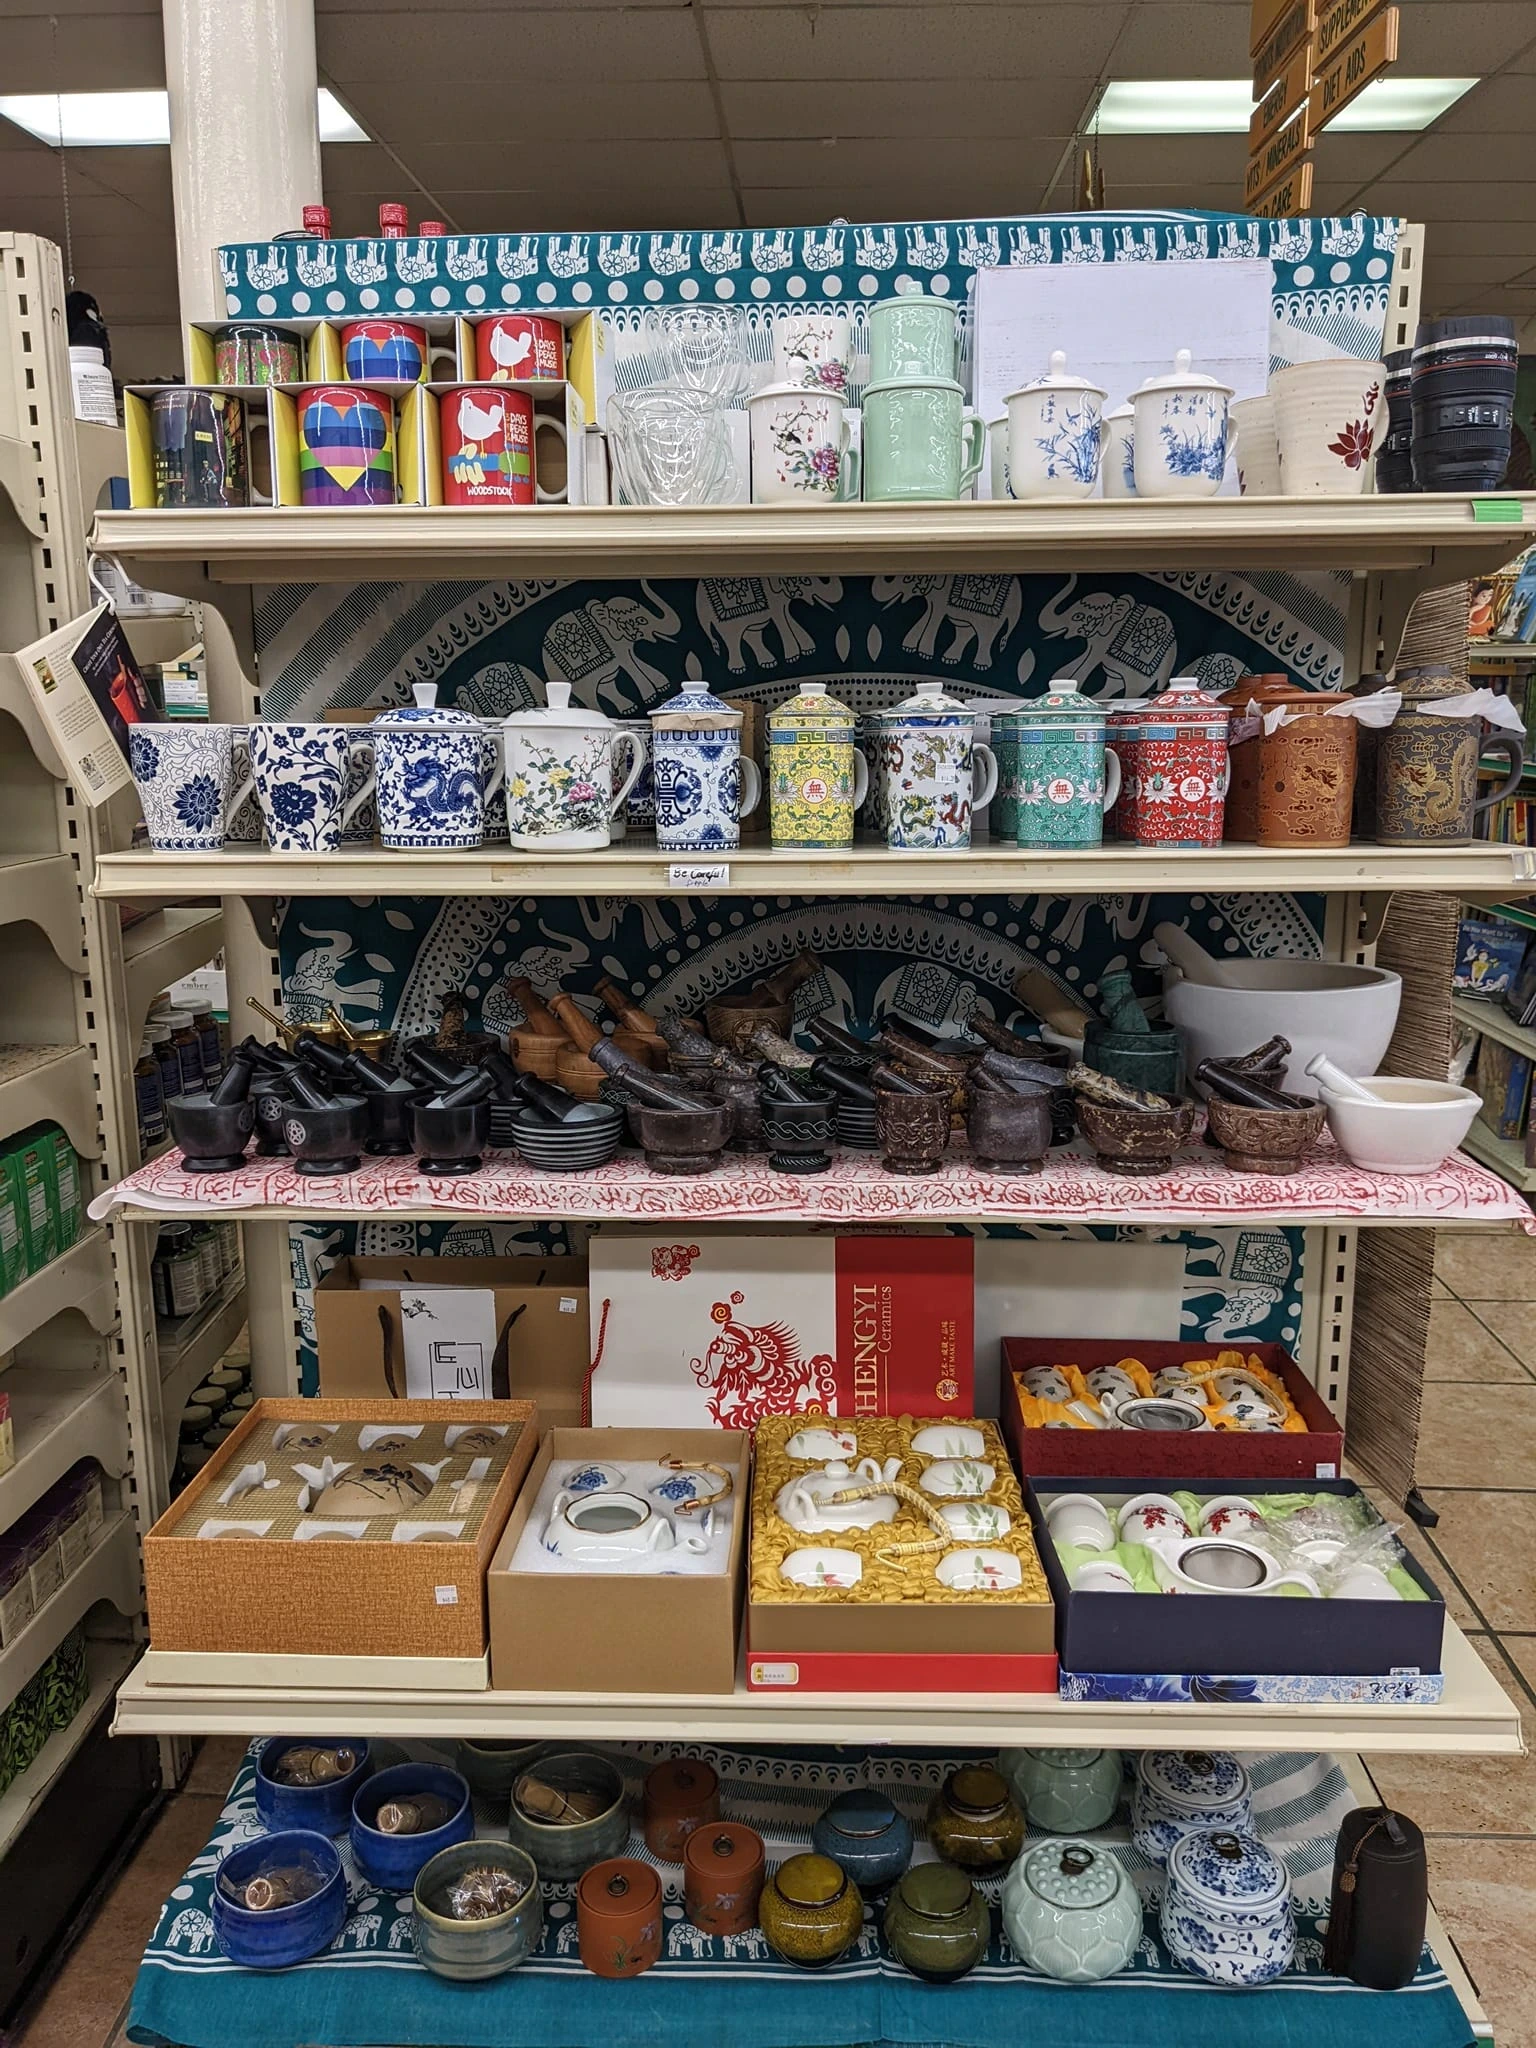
{"x": 716, "y": 1328}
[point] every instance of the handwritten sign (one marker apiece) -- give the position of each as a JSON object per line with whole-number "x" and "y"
{"x": 702, "y": 875}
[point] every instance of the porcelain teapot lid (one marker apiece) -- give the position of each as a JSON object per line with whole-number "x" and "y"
{"x": 1192, "y": 1779}
{"x": 1221, "y": 1868}
{"x": 930, "y": 699}
{"x": 425, "y": 711}
{"x": 557, "y": 709}
{"x": 1056, "y": 379}
{"x": 696, "y": 708}
{"x": 1184, "y": 378}
{"x": 1124, "y": 411}
{"x": 1075, "y": 1875}
{"x": 813, "y": 696}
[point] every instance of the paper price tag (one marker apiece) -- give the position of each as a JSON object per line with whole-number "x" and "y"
{"x": 447, "y": 1596}
{"x": 568, "y": 1305}
{"x": 707, "y": 875}
{"x": 782, "y": 1672}
{"x": 1522, "y": 861}
{"x": 1326, "y": 1471}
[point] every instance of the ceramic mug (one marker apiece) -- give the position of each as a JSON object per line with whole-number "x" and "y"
{"x": 704, "y": 786}
{"x": 997, "y": 457}
{"x": 930, "y": 793}
{"x": 185, "y": 778}
{"x": 391, "y": 352}
{"x": 487, "y": 437}
{"x": 246, "y": 353}
{"x": 1117, "y": 464}
{"x": 246, "y": 826}
{"x": 303, "y": 776}
{"x": 800, "y": 447}
{"x": 1055, "y": 435}
{"x": 199, "y": 449}
{"x": 1152, "y": 1518}
{"x": 913, "y": 335}
{"x": 1258, "y": 449}
{"x": 522, "y": 348}
{"x": 811, "y": 351}
{"x": 1327, "y": 418}
{"x": 1056, "y": 777}
{"x": 920, "y": 441}
{"x": 346, "y": 446}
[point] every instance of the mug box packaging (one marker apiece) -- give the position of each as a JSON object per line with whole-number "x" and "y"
{"x": 535, "y": 1310}
{"x": 602, "y": 1632}
{"x": 1154, "y": 1635}
{"x": 701, "y": 1328}
{"x": 1229, "y": 1454}
{"x": 378, "y": 1596}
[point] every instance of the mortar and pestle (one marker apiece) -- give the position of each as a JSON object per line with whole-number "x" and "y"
{"x": 538, "y": 1041}
{"x": 798, "y": 1116}
{"x": 912, "y": 1118}
{"x": 325, "y": 1132}
{"x": 1259, "y": 1127}
{"x": 390, "y": 1098}
{"x": 856, "y": 1116}
{"x": 1123, "y": 1044}
{"x": 452, "y": 1128}
{"x": 212, "y": 1130}
{"x": 1132, "y": 1130}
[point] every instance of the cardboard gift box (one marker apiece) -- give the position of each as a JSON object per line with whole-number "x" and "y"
{"x": 620, "y": 1632}
{"x": 484, "y": 1328}
{"x": 723, "y": 1328}
{"x": 1158, "y": 1635}
{"x": 1230, "y": 1454}
{"x": 236, "y": 1591}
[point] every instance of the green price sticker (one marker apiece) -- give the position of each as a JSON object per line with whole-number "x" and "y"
{"x": 1496, "y": 511}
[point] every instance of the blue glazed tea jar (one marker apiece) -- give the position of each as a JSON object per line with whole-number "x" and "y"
{"x": 272, "y": 1936}
{"x": 325, "y": 1806}
{"x": 1226, "y": 1911}
{"x": 866, "y": 1837}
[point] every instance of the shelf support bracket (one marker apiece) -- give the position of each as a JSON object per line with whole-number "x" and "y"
{"x": 18, "y": 479}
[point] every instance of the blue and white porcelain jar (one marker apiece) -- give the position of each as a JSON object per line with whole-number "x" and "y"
{"x": 430, "y": 765}
{"x": 1226, "y": 1911}
{"x": 1180, "y": 433}
{"x": 1185, "y": 1792}
{"x": 1071, "y": 1912}
{"x": 866, "y": 1836}
{"x": 702, "y": 785}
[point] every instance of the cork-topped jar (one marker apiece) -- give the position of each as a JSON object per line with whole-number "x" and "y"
{"x": 723, "y": 1877}
{"x": 681, "y": 1794}
{"x": 975, "y": 1822}
{"x": 811, "y": 1911}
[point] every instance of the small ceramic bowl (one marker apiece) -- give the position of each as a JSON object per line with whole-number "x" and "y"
{"x": 949, "y": 1440}
{"x": 1079, "y": 1519}
{"x": 273, "y": 1937}
{"x": 822, "y": 1565}
{"x": 327, "y": 1809}
{"x": 979, "y": 1571}
{"x": 563, "y": 1853}
{"x": 467, "y": 1950}
{"x": 1152, "y": 1518}
{"x": 1264, "y": 1140}
{"x": 392, "y": 1861}
{"x": 977, "y": 1521}
{"x": 1413, "y": 1128}
{"x": 958, "y": 1478}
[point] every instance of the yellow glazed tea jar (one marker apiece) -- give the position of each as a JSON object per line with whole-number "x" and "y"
{"x": 810, "y": 1911}
{"x": 817, "y": 776}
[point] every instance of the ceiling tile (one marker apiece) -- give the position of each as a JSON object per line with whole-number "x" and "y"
{"x": 521, "y": 51}
{"x": 98, "y": 50}
{"x": 1022, "y": 164}
{"x": 425, "y": 111}
{"x": 1446, "y": 201}
{"x": 766, "y": 108}
{"x": 1498, "y": 158}
{"x": 1499, "y": 106}
{"x": 1207, "y": 39}
{"x": 912, "y": 42}
{"x": 1461, "y": 38}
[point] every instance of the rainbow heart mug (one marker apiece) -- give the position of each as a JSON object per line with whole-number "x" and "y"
{"x": 346, "y": 446}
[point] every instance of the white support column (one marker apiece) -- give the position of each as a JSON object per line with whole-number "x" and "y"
{"x": 245, "y": 140}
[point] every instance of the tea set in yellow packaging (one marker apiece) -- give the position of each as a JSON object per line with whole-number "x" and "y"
{"x": 1229, "y": 1392}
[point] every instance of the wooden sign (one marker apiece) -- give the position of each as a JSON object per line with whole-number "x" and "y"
{"x": 1262, "y": 17}
{"x": 1289, "y": 33}
{"x": 1282, "y": 99}
{"x": 1339, "y": 22}
{"x": 1353, "y": 66}
{"x": 1278, "y": 156}
{"x": 1290, "y": 196}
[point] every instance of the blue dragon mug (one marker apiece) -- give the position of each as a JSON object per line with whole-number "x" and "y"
{"x": 432, "y": 778}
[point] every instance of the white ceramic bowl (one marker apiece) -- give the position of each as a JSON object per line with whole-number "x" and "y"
{"x": 1412, "y": 1129}
{"x": 1349, "y": 1013}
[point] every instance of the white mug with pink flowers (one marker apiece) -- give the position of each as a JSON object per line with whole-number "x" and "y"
{"x": 812, "y": 350}
{"x": 800, "y": 447}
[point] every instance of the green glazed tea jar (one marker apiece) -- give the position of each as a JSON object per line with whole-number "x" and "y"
{"x": 1070, "y": 1911}
{"x": 974, "y": 1821}
{"x": 1064, "y": 1791}
{"x": 810, "y": 1912}
{"x": 937, "y": 1923}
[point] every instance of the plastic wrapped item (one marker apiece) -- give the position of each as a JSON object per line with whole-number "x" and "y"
{"x": 15, "y": 1591}
{"x": 484, "y": 1892}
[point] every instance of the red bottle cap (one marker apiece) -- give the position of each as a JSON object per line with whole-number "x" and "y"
{"x": 394, "y": 220}
{"x": 433, "y": 227}
{"x": 317, "y": 222}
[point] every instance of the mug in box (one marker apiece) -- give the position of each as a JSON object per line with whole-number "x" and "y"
{"x": 487, "y": 437}
{"x": 199, "y": 447}
{"x": 346, "y": 446}
{"x": 391, "y": 352}
{"x": 247, "y": 353}
{"x": 520, "y": 348}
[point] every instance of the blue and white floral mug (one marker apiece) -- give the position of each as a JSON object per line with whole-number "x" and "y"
{"x": 307, "y": 784}
{"x": 186, "y": 783}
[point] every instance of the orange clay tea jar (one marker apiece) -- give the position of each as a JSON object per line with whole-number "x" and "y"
{"x": 1307, "y": 772}
{"x": 618, "y": 1917}
{"x": 681, "y": 1794}
{"x": 723, "y": 1877}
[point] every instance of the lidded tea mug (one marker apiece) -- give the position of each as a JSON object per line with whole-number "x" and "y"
{"x": 703, "y": 783}
{"x": 817, "y": 777}
{"x": 429, "y": 763}
{"x": 928, "y": 755}
{"x": 561, "y": 788}
{"x": 1181, "y": 433}
{"x": 1055, "y": 434}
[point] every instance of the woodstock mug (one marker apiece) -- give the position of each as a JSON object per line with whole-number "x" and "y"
{"x": 346, "y": 446}
{"x": 487, "y": 435}
{"x": 305, "y": 784}
{"x": 520, "y": 348}
{"x": 185, "y": 778}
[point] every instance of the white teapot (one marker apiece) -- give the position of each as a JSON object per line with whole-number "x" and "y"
{"x": 610, "y": 1527}
{"x": 807, "y": 1503}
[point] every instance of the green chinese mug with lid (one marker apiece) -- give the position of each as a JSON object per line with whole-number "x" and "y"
{"x": 1055, "y": 777}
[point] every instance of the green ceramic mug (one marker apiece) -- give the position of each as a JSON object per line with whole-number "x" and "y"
{"x": 913, "y": 335}
{"x": 919, "y": 440}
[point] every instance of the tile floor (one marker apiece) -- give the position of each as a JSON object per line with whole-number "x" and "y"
{"x": 1477, "y": 1468}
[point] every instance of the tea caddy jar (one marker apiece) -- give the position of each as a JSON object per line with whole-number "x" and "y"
{"x": 1071, "y": 1911}
{"x": 1064, "y": 1791}
{"x": 1183, "y": 1792}
{"x": 811, "y": 1911}
{"x": 937, "y": 1923}
{"x": 866, "y": 1837}
{"x": 682, "y": 1794}
{"x": 1226, "y": 1912}
{"x": 723, "y": 1877}
{"x": 974, "y": 1821}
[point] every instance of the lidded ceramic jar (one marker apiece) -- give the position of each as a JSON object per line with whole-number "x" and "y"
{"x": 937, "y": 1923}
{"x": 866, "y": 1836}
{"x": 975, "y": 1822}
{"x": 929, "y": 759}
{"x": 1226, "y": 1911}
{"x": 723, "y": 1877}
{"x": 1064, "y": 1791}
{"x": 681, "y": 1794}
{"x": 561, "y": 788}
{"x": 1055, "y": 780}
{"x": 1071, "y": 1912}
{"x": 1123, "y": 740}
{"x": 703, "y": 784}
{"x": 817, "y": 777}
{"x": 1426, "y": 766}
{"x": 1055, "y": 432}
{"x": 1181, "y": 433}
{"x": 1182, "y": 1792}
{"x": 432, "y": 780}
{"x": 810, "y": 1911}
{"x": 1180, "y": 766}
{"x": 1306, "y": 771}
{"x": 1241, "y": 822}
{"x": 913, "y": 335}
{"x": 618, "y": 1917}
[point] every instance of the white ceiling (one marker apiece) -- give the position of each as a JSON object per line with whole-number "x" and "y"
{"x": 509, "y": 114}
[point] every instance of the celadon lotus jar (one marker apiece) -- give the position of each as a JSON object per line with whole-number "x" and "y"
{"x": 1071, "y": 1912}
{"x": 1064, "y": 1791}
{"x": 562, "y": 792}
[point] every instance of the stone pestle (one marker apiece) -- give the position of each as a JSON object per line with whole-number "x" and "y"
{"x": 657, "y": 1091}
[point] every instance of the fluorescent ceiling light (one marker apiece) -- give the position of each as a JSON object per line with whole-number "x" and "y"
{"x": 132, "y": 119}
{"x": 1222, "y": 106}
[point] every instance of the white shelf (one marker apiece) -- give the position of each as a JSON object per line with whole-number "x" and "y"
{"x": 106, "y": 1661}
{"x": 856, "y": 1189}
{"x": 1474, "y": 1718}
{"x": 44, "y": 891}
{"x": 111, "y": 1572}
{"x": 1503, "y": 1156}
{"x": 319, "y": 544}
{"x": 52, "y": 1082}
{"x": 1492, "y": 1020}
{"x": 864, "y": 870}
{"x": 59, "y": 1417}
{"x": 163, "y": 947}
{"x": 80, "y": 1278}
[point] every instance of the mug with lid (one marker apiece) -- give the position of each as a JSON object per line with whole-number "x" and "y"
{"x": 1064, "y": 1791}
{"x": 1071, "y": 1912}
{"x": 1181, "y": 433}
{"x": 919, "y": 440}
{"x": 1426, "y": 765}
{"x": 1055, "y": 435}
{"x": 429, "y": 765}
{"x": 1179, "y": 766}
{"x": 1055, "y": 777}
{"x": 913, "y": 335}
{"x": 704, "y": 785}
{"x": 563, "y": 787}
{"x": 817, "y": 778}
{"x": 929, "y": 754}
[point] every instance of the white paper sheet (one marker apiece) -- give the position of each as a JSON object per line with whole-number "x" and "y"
{"x": 449, "y": 1339}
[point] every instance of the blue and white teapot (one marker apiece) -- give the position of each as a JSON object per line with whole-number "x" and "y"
{"x": 433, "y": 777}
